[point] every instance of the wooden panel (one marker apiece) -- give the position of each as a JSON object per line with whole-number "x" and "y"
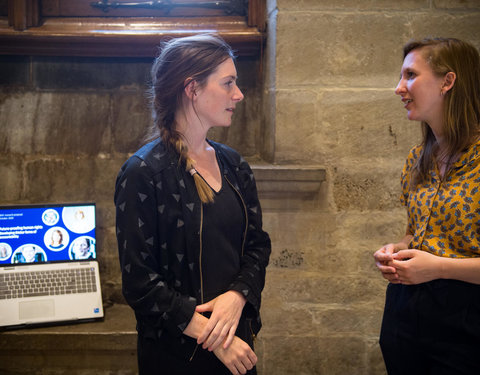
{"x": 33, "y": 13}
{"x": 83, "y": 8}
{"x": 3, "y": 8}
{"x": 256, "y": 14}
{"x": 117, "y": 36}
{"x": 129, "y": 38}
{"x": 23, "y": 13}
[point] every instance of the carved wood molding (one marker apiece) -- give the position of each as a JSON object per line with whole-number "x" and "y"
{"x": 26, "y": 32}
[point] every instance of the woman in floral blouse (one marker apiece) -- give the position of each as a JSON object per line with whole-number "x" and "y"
{"x": 431, "y": 322}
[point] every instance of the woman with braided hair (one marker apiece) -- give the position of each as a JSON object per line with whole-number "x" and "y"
{"x": 192, "y": 249}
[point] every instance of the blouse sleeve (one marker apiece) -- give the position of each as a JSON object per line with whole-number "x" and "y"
{"x": 144, "y": 283}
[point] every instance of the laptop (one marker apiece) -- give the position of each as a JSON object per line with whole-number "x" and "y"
{"x": 49, "y": 272}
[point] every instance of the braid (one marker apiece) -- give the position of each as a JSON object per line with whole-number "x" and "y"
{"x": 204, "y": 191}
{"x": 174, "y": 139}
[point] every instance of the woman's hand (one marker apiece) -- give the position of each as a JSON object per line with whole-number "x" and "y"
{"x": 238, "y": 357}
{"x": 226, "y": 311}
{"x": 416, "y": 266}
{"x": 383, "y": 260}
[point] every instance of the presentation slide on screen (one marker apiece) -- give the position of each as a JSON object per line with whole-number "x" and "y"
{"x": 47, "y": 234}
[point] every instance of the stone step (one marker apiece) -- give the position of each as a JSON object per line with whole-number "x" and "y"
{"x": 104, "y": 347}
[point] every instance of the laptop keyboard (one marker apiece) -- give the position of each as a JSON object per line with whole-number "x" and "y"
{"x": 47, "y": 283}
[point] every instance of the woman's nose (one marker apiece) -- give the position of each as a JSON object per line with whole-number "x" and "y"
{"x": 238, "y": 95}
{"x": 400, "y": 87}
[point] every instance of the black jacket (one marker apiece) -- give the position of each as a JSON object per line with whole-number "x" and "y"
{"x": 158, "y": 218}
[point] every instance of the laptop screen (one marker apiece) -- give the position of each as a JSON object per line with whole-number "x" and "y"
{"x": 47, "y": 233}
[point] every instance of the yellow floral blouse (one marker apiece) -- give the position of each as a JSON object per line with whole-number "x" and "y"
{"x": 444, "y": 216}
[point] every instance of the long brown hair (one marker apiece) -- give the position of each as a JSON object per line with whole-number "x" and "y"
{"x": 461, "y": 111}
{"x": 192, "y": 58}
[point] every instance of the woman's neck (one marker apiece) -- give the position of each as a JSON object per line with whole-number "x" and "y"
{"x": 440, "y": 140}
{"x": 194, "y": 137}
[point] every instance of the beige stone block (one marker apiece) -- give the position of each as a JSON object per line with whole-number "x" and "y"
{"x": 110, "y": 273}
{"x": 267, "y": 148}
{"x": 106, "y": 169}
{"x": 106, "y": 207}
{"x": 342, "y": 123}
{"x": 376, "y": 365}
{"x": 365, "y": 123}
{"x": 339, "y": 49}
{"x": 109, "y": 254}
{"x": 103, "y": 347}
{"x": 372, "y": 227}
{"x": 359, "y": 234}
{"x": 12, "y": 179}
{"x": 295, "y": 127}
{"x": 291, "y": 319}
{"x": 308, "y": 319}
{"x": 295, "y": 286}
{"x": 293, "y": 229}
{"x": 260, "y": 353}
{"x": 71, "y": 179}
{"x": 356, "y": 49}
{"x": 131, "y": 120}
{"x": 305, "y": 241}
{"x": 17, "y": 113}
{"x": 352, "y": 5}
{"x": 347, "y": 320}
{"x": 367, "y": 185}
{"x": 315, "y": 355}
{"x": 54, "y": 123}
{"x": 461, "y": 25}
{"x": 71, "y": 123}
{"x": 327, "y": 242}
{"x": 109, "y": 247}
{"x": 457, "y": 4}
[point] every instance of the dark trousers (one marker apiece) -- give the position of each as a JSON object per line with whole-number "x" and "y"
{"x": 432, "y": 328}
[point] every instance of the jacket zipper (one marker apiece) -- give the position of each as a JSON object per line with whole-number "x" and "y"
{"x": 254, "y": 336}
{"x": 200, "y": 254}
{"x": 201, "y": 248}
{"x": 200, "y": 268}
{"x": 244, "y": 211}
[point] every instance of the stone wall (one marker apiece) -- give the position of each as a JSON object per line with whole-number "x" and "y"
{"x": 325, "y": 102}
{"x": 67, "y": 124}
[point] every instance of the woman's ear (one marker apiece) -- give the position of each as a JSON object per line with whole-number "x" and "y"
{"x": 448, "y": 82}
{"x": 190, "y": 88}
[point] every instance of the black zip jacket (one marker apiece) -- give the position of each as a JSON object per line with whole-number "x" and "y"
{"x": 159, "y": 224}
